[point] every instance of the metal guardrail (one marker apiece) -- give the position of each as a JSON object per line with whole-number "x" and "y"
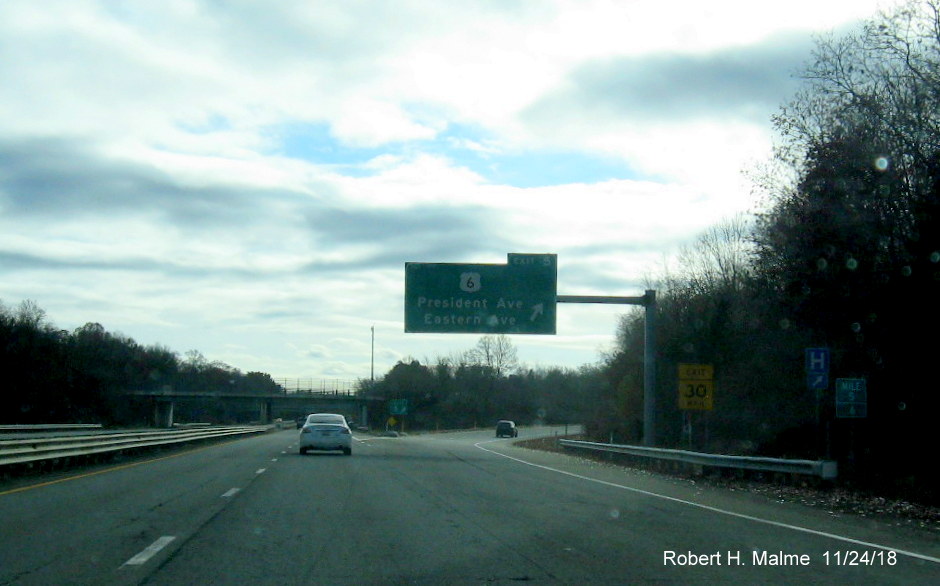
{"x": 49, "y": 426}
{"x": 20, "y": 451}
{"x": 825, "y": 469}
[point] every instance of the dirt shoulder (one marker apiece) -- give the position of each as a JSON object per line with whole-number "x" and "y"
{"x": 833, "y": 499}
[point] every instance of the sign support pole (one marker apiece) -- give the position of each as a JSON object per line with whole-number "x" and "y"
{"x": 648, "y": 301}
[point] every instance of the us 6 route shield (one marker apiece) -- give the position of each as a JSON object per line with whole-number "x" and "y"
{"x": 514, "y": 298}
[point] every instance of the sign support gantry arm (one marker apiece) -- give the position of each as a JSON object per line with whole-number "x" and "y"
{"x": 648, "y": 301}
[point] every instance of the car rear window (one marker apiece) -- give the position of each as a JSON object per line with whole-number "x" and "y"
{"x": 334, "y": 419}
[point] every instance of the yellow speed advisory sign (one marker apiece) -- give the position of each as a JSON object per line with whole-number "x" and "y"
{"x": 696, "y": 386}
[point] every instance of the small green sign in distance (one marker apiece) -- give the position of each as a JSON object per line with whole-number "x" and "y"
{"x": 398, "y": 407}
{"x": 514, "y": 298}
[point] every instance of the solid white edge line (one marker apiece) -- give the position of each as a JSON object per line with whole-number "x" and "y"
{"x": 717, "y": 510}
{"x": 150, "y": 551}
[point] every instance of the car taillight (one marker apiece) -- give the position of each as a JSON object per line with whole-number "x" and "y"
{"x": 345, "y": 430}
{"x": 305, "y": 430}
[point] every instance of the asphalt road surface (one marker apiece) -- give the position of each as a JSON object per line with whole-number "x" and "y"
{"x": 451, "y": 508}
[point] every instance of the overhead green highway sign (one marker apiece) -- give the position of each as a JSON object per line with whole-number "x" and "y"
{"x": 513, "y": 298}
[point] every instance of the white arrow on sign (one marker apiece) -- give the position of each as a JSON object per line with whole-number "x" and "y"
{"x": 537, "y": 310}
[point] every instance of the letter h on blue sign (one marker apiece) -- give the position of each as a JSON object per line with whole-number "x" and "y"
{"x": 817, "y": 360}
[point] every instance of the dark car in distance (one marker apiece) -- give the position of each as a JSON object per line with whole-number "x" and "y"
{"x": 506, "y": 428}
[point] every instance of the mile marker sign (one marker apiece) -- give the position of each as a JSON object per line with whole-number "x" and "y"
{"x": 514, "y": 298}
{"x": 851, "y": 397}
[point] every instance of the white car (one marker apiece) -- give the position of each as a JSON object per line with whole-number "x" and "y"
{"x": 325, "y": 431}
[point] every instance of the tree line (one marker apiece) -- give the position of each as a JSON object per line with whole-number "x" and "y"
{"x": 484, "y": 384}
{"x": 57, "y": 376}
{"x": 60, "y": 376}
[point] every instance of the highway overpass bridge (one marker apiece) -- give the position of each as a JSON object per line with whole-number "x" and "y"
{"x": 166, "y": 405}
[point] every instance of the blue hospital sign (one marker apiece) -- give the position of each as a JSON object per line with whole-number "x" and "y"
{"x": 817, "y": 360}
{"x": 817, "y": 368}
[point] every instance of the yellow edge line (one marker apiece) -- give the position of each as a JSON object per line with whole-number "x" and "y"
{"x": 115, "y": 469}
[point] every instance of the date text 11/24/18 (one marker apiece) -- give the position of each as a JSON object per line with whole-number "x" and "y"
{"x": 852, "y": 557}
{"x": 870, "y": 557}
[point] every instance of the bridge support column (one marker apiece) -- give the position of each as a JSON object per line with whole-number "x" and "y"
{"x": 163, "y": 413}
{"x": 264, "y": 416}
{"x": 363, "y": 414}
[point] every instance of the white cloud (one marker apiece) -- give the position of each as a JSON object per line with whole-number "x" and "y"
{"x": 370, "y": 123}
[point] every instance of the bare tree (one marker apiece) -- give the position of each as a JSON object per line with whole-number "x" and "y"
{"x": 29, "y": 314}
{"x": 720, "y": 258}
{"x": 195, "y": 361}
{"x": 496, "y": 353}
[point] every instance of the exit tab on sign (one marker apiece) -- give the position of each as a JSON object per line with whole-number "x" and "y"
{"x": 514, "y": 298}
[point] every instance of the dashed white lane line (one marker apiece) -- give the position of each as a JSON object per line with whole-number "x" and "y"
{"x": 155, "y": 547}
{"x": 716, "y": 509}
{"x": 150, "y": 551}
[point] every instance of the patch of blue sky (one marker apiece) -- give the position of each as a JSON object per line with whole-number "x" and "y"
{"x": 473, "y": 149}
{"x": 466, "y": 147}
{"x": 315, "y": 143}
{"x": 545, "y": 168}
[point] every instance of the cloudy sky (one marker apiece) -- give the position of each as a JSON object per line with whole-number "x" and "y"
{"x": 249, "y": 178}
